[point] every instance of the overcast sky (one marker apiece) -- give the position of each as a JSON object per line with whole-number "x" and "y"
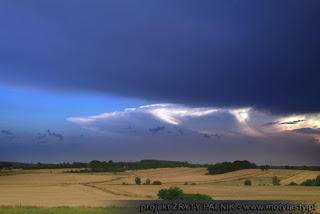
{"x": 198, "y": 81}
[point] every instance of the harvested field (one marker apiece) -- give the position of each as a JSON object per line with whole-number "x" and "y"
{"x": 46, "y": 189}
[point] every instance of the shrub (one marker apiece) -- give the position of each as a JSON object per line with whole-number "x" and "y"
{"x": 148, "y": 182}
{"x": 265, "y": 167}
{"x": 317, "y": 181}
{"x": 124, "y": 183}
{"x": 247, "y": 182}
{"x": 307, "y": 183}
{"x": 138, "y": 180}
{"x": 193, "y": 183}
{"x": 157, "y": 183}
{"x": 173, "y": 193}
{"x": 311, "y": 182}
{"x": 275, "y": 180}
{"x": 186, "y": 183}
{"x": 196, "y": 197}
{"x": 293, "y": 184}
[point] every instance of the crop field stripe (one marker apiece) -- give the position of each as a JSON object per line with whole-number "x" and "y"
{"x": 109, "y": 191}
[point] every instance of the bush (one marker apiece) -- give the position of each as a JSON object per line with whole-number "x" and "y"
{"x": 307, "y": 183}
{"x": 186, "y": 183}
{"x": 311, "y": 182}
{"x": 196, "y": 197}
{"x": 317, "y": 181}
{"x": 148, "y": 182}
{"x": 293, "y": 184}
{"x": 265, "y": 167}
{"x": 124, "y": 183}
{"x": 193, "y": 183}
{"x": 247, "y": 182}
{"x": 157, "y": 183}
{"x": 275, "y": 180}
{"x": 173, "y": 193}
{"x": 138, "y": 180}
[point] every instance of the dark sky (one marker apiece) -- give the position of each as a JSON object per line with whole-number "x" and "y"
{"x": 221, "y": 53}
{"x": 64, "y": 61}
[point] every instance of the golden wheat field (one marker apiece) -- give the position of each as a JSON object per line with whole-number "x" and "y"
{"x": 43, "y": 188}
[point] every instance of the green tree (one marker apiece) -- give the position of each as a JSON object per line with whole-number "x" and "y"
{"x": 95, "y": 164}
{"x": 292, "y": 184}
{"x": 265, "y": 167}
{"x": 247, "y": 182}
{"x": 275, "y": 180}
{"x": 148, "y": 182}
{"x": 308, "y": 182}
{"x": 224, "y": 167}
{"x": 317, "y": 181}
{"x": 110, "y": 163}
{"x": 173, "y": 193}
{"x": 157, "y": 183}
{"x": 138, "y": 180}
{"x": 5, "y": 165}
{"x": 121, "y": 164}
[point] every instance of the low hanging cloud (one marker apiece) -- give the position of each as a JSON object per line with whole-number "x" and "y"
{"x": 307, "y": 131}
{"x": 6, "y": 132}
{"x": 59, "y": 136}
{"x": 41, "y": 136}
{"x": 211, "y": 123}
{"x": 174, "y": 118}
{"x": 157, "y": 129}
{"x": 292, "y": 122}
{"x": 271, "y": 123}
{"x": 283, "y": 123}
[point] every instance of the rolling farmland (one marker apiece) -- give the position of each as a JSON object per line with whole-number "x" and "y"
{"x": 46, "y": 189}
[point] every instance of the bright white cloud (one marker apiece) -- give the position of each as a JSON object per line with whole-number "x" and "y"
{"x": 242, "y": 115}
{"x": 142, "y": 118}
{"x": 174, "y": 114}
{"x": 197, "y": 120}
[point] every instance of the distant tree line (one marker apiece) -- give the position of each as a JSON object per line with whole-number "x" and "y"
{"x": 224, "y": 167}
{"x": 17, "y": 165}
{"x": 101, "y": 166}
{"x": 313, "y": 168}
{"x": 110, "y": 166}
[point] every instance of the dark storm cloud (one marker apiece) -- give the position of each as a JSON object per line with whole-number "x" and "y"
{"x": 218, "y": 136}
{"x": 157, "y": 129}
{"x": 55, "y": 135}
{"x": 211, "y": 53}
{"x": 41, "y": 136}
{"x": 271, "y": 123}
{"x": 292, "y": 122}
{"x": 307, "y": 131}
{"x": 6, "y": 132}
